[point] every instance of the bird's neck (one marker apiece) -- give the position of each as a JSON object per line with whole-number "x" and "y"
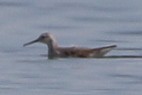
{"x": 52, "y": 49}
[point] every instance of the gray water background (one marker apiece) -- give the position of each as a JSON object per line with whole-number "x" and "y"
{"x": 89, "y": 23}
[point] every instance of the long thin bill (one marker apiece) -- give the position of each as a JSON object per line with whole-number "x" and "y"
{"x": 32, "y": 42}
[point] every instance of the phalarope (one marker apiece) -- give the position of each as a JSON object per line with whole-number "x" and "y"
{"x": 55, "y": 51}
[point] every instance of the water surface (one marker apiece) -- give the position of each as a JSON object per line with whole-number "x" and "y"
{"x": 90, "y": 23}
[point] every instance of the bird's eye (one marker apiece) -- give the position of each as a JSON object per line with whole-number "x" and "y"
{"x": 42, "y": 37}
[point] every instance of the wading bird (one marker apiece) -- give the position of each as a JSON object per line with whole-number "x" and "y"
{"x": 55, "y": 51}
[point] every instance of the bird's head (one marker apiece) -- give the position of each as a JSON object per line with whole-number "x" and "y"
{"x": 43, "y": 38}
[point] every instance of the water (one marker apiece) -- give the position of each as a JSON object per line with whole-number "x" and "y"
{"x": 92, "y": 23}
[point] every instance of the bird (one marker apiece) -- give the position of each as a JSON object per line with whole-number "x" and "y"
{"x": 56, "y": 51}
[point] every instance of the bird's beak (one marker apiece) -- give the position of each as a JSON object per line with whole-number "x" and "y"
{"x": 32, "y": 42}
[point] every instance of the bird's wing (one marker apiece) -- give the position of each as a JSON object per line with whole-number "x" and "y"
{"x": 84, "y": 52}
{"x": 75, "y": 51}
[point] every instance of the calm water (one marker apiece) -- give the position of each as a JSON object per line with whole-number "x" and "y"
{"x": 92, "y": 23}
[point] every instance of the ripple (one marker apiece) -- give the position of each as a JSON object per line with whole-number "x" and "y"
{"x": 122, "y": 56}
{"x": 127, "y": 32}
{"x": 120, "y": 41}
{"x": 135, "y": 79}
{"x": 105, "y": 19}
{"x": 13, "y": 4}
{"x": 56, "y": 27}
{"x": 68, "y": 5}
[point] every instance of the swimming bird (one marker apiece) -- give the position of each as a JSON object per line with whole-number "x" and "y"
{"x": 55, "y": 51}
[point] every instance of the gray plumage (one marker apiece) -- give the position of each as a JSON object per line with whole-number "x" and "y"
{"x": 55, "y": 51}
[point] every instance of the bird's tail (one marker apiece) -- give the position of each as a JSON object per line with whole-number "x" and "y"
{"x": 104, "y": 50}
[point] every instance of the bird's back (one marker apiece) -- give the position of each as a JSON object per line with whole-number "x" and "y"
{"x": 83, "y": 52}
